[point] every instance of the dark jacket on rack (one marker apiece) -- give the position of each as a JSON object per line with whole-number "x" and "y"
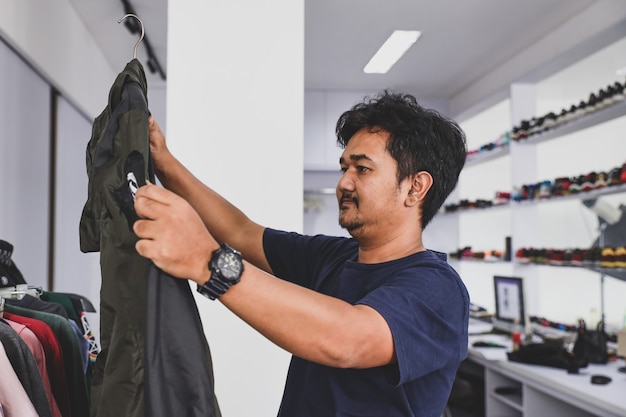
{"x": 154, "y": 359}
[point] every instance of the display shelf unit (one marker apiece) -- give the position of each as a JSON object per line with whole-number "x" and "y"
{"x": 499, "y": 403}
{"x": 486, "y": 156}
{"x": 617, "y": 273}
{"x": 585, "y": 195}
{"x": 527, "y": 161}
{"x": 545, "y": 391}
{"x": 606, "y": 114}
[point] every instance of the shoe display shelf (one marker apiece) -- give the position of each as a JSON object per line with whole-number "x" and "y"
{"x": 604, "y": 115}
{"x": 524, "y": 162}
{"x": 610, "y": 112}
{"x": 617, "y": 273}
{"x": 483, "y": 157}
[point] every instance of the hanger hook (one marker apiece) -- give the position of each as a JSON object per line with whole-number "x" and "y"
{"x": 142, "y": 31}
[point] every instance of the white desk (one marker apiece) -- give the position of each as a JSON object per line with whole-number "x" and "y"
{"x": 545, "y": 391}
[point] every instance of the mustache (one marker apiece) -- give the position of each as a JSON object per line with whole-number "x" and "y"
{"x": 349, "y": 198}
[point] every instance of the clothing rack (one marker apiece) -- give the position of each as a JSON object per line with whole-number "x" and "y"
{"x": 17, "y": 292}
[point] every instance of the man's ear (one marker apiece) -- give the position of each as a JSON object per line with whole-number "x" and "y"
{"x": 420, "y": 184}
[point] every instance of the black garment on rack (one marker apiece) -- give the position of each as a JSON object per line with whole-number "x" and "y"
{"x": 10, "y": 275}
{"x": 154, "y": 359}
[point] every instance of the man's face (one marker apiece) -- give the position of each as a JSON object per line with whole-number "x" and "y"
{"x": 368, "y": 192}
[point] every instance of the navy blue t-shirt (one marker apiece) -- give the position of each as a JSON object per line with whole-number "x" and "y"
{"x": 425, "y": 304}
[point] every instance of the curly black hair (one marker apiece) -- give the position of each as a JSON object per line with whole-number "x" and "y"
{"x": 420, "y": 139}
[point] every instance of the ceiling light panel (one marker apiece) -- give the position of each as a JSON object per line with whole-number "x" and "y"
{"x": 392, "y": 50}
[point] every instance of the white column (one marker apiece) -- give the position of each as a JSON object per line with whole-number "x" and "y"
{"x": 235, "y": 118}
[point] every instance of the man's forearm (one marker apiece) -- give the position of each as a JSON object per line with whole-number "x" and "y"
{"x": 222, "y": 219}
{"x": 311, "y": 325}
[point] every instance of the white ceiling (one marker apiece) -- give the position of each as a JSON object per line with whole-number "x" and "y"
{"x": 462, "y": 40}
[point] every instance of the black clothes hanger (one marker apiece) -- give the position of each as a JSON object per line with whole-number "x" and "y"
{"x": 80, "y": 302}
{"x": 10, "y": 275}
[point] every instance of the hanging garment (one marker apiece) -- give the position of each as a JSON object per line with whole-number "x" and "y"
{"x": 36, "y": 348}
{"x": 14, "y": 401}
{"x": 70, "y": 349}
{"x": 54, "y": 359}
{"x": 76, "y": 307}
{"x": 25, "y": 367}
{"x": 154, "y": 359}
{"x": 75, "y": 320}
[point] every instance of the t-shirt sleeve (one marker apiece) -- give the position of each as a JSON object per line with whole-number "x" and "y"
{"x": 300, "y": 258}
{"x": 427, "y": 313}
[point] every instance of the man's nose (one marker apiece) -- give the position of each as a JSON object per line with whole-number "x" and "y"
{"x": 346, "y": 182}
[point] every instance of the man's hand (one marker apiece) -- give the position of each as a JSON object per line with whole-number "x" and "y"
{"x": 157, "y": 138}
{"x": 172, "y": 234}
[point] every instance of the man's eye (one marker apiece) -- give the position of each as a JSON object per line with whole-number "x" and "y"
{"x": 362, "y": 168}
{"x": 343, "y": 169}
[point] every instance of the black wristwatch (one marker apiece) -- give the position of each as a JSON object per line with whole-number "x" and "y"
{"x": 226, "y": 267}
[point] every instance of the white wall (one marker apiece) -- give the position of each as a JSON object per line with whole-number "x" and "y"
{"x": 58, "y": 45}
{"x": 24, "y": 166}
{"x": 235, "y": 118}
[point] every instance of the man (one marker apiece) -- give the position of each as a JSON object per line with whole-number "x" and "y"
{"x": 376, "y": 323}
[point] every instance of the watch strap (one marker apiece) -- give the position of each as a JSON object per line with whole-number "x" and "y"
{"x": 212, "y": 289}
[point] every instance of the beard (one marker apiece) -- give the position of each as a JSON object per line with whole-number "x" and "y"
{"x": 353, "y": 224}
{"x": 350, "y": 226}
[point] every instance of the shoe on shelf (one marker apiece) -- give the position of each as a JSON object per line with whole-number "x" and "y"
{"x": 614, "y": 177}
{"x": 592, "y": 103}
{"x": 502, "y": 197}
{"x": 545, "y": 189}
{"x": 523, "y": 129}
{"x": 592, "y": 257}
{"x": 601, "y": 180}
{"x": 618, "y": 91}
{"x": 576, "y": 184}
{"x": 556, "y": 256}
{"x": 536, "y": 125}
{"x": 561, "y": 186}
{"x": 550, "y": 121}
{"x": 603, "y": 99}
{"x": 608, "y": 258}
{"x": 588, "y": 181}
{"x": 581, "y": 110}
{"x": 620, "y": 257}
{"x": 578, "y": 257}
{"x": 522, "y": 255}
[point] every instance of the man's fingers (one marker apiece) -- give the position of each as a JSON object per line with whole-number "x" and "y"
{"x": 154, "y": 130}
{"x": 144, "y": 247}
{"x": 144, "y": 229}
{"x": 156, "y": 193}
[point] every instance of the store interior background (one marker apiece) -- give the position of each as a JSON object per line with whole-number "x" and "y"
{"x": 265, "y": 138}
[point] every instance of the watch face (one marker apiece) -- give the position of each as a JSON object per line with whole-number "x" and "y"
{"x": 229, "y": 265}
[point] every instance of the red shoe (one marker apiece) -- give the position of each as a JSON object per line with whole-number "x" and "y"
{"x": 588, "y": 181}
